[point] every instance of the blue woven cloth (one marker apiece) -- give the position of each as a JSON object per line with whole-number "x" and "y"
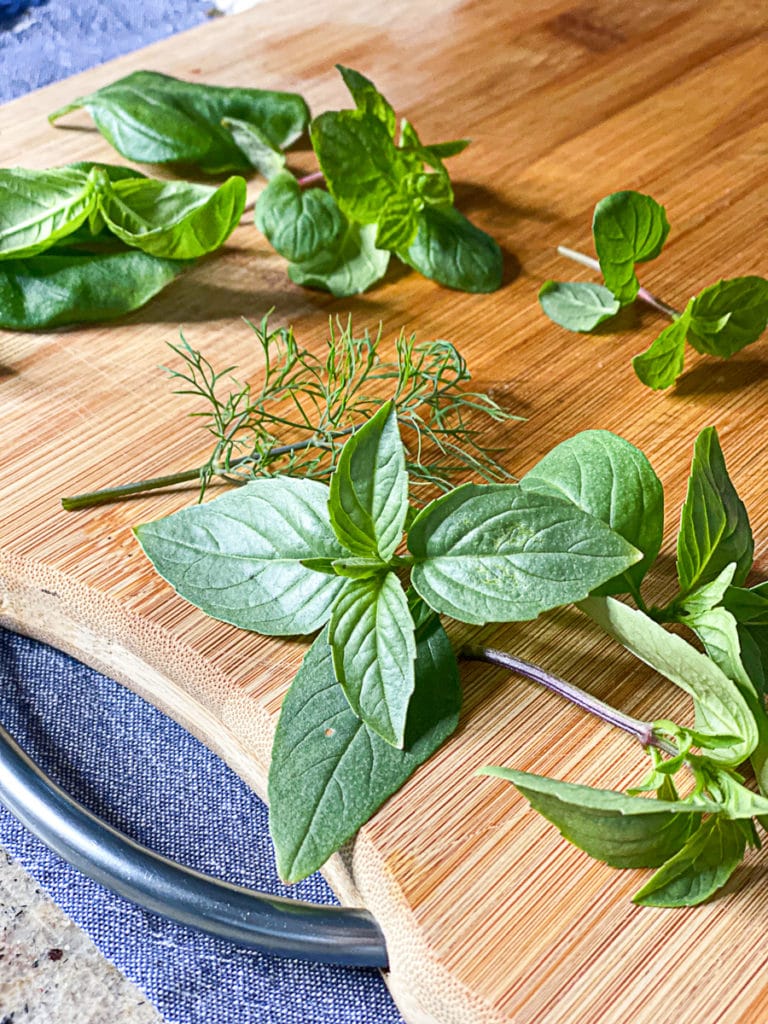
{"x": 115, "y": 753}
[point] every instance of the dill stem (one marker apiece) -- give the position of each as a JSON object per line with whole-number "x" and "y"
{"x": 642, "y": 293}
{"x": 108, "y": 494}
{"x": 642, "y": 731}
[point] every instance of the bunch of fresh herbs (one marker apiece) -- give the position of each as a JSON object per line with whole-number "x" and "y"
{"x": 630, "y": 228}
{"x": 378, "y": 691}
{"x": 92, "y": 241}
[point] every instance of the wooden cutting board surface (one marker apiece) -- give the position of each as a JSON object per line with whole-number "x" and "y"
{"x": 489, "y": 915}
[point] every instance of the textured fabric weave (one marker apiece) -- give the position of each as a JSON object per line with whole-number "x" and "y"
{"x": 115, "y": 753}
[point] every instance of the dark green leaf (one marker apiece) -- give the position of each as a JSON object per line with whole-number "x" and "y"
{"x": 452, "y": 251}
{"x": 173, "y": 219}
{"x": 628, "y": 228}
{"x": 265, "y": 158}
{"x": 371, "y": 634}
{"x": 499, "y": 553}
{"x": 623, "y": 831}
{"x": 612, "y": 480}
{"x": 703, "y": 866}
{"x": 661, "y": 364}
{"x": 577, "y": 306}
{"x": 301, "y": 224}
{"x": 368, "y": 98}
{"x": 750, "y": 607}
{"x": 153, "y": 118}
{"x": 65, "y": 287}
{"x": 349, "y": 269}
{"x": 729, "y": 315}
{"x": 38, "y": 208}
{"x": 369, "y": 489}
{"x": 714, "y": 526}
{"x": 239, "y": 557}
{"x": 342, "y": 769}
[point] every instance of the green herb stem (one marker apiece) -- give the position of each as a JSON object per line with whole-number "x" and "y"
{"x": 643, "y": 294}
{"x": 642, "y": 731}
{"x": 315, "y": 178}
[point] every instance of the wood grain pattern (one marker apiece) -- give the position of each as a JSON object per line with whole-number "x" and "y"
{"x": 490, "y": 917}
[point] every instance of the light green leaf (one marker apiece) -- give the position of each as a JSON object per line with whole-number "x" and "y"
{"x": 65, "y": 287}
{"x": 368, "y": 98}
{"x": 154, "y": 118}
{"x": 397, "y": 223}
{"x": 728, "y": 315}
{"x": 703, "y": 866}
{"x": 173, "y": 219}
{"x": 239, "y": 557}
{"x": 499, "y": 553}
{"x": 577, "y": 306}
{"x": 38, "y": 208}
{"x": 721, "y": 709}
{"x": 263, "y": 156}
{"x": 714, "y": 526}
{"x": 628, "y": 228}
{"x": 612, "y": 480}
{"x": 623, "y": 831}
{"x": 449, "y": 249}
{"x": 661, "y": 364}
{"x": 369, "y": 489}
{"x": 343, "y": 770}
{"x": 371, "y": 634}
{"x": 429, "y": 189}
{"x": 301, "y": 224}
{"x": 708, "y": 596}
{"x": 350, "y": 269}
{"x": 432, "y": 155}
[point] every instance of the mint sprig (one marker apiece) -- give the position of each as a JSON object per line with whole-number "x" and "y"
{"x": 629, "y": 228}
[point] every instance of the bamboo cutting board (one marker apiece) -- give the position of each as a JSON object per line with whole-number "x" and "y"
{"x": 489, "y": 916}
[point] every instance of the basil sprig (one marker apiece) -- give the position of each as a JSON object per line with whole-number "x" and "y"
{"x": 92, "y": 241}
{"x": 156, "y": 119}
{"x": 629, "y": 228}
{"x": 387, "y": 194}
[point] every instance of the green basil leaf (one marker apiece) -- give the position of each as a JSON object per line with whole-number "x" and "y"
{"x": 577, "y": 306}
{"x": 239, "y": 557}
{"x": 154, "y": 118}
{"x": 371, "y": 634}
{"x": 432, "y": 155}
{"x": 661, "y": 364}
{"x": 301, "y": 224}
{"x": 368, "y": 98}
{"x": 628, "y": 228}
{"x": 349, "y": 269}
{"x": 429, "y": 189}
{"x": 369, "y": 489}
{"x": 714, "y": 526}
{"x": 397, "y": 223}
{"x": 66, "y": 287}
{"x": 623, "y": 831}
{"x": 613, "y": 481}
{"x": 361, "y": 164}
{"x": 721, "y": 709}
{"x": 343, "y": 770}
{"x": 753, "y": 643}
{"x": 703, "y": 866}
{"x": 499, "y": 553}
{"x": 706, "y": 597}
{"x": 38, "y": 208}
{"x": 728, "y": 315}
{"x": 173, "y": 219}
{"x": 449, "y": 249}
{"x": 737, "y": 802}
{"x": 748, "y": 606}
{"x": 262, "y": 155}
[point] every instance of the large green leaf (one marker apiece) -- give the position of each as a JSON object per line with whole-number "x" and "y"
{"x": 576, "y": 305}
{"x": 628, "y": 228}
{"x": 369, "y": 489}
{"x": 500, "y": 553}
{"x": 721, "y": 710}
{"x": 728, "y": 315}
{"x": 154, "y": 118}
{"x": 703, "y": 866}
{"x": 300, "y": 224}
{"x": 38, "y": 208}
{"x": 624, "y": 831}
{"x": 662, "y": 362}
{"x": 239, "y": 557}
{"x": 65, "y": 287}
{"x": 612, "y": 480}
{"x": 449, "y": 249}
{"x": 714, "y": 526}
{"x": 173, "y": 219}
{"x": 349, "y": 269}
{"x": 368, "y": 98}
{"x": 330, "y": 772}
{"x": 371, "y": 634}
